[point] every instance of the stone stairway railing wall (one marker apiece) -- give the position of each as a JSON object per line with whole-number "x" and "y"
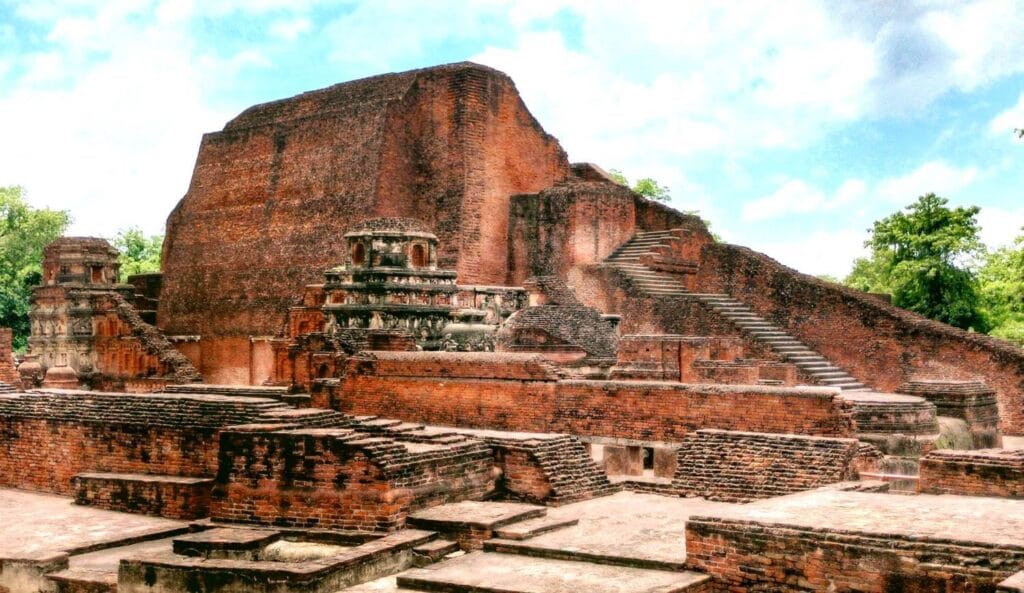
{"x": 863, "y": 334}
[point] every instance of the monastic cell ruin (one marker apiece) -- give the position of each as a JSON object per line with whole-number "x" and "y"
{"x": 400, "y": 343}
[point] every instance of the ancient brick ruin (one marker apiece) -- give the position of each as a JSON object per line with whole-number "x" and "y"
{"x": 401, "y": 343}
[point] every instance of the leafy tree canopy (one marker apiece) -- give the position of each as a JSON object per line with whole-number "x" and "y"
{"x": 1002, "y": 291}
{"x": 139, "y": 254}
{"x": 924, "y": 256}
{"x": 24, "y": 231}
{"x": 646, "y": 187}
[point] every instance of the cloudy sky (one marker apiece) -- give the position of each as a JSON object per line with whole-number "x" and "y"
{"x": 790, "y": 125}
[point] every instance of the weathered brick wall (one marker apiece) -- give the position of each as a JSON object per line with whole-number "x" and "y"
{"x": 8, "y": 372}
{"x": 340, "y": 479}
{"x": 737, "y": 466}
{"x": 881, "y": 345}
{"x": 173, "y": 498}
{"x": 625, "y": 409}
{"x": 274, "y": 190}
{"x": 45, "y": 439}
{"x": 577, "y": 224}
{"x": 752, "y": 556}
{"x": 555, "y": 469}
{"x": 985, "y": 472}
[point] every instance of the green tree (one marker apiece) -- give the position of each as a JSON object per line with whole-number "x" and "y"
{"x": 139, "y": 254}
{"x": 24, "y": 231}
{"x": 646, "y": 187}
{"x": 1002, "y": 291}
{"x": 924, "y": 256}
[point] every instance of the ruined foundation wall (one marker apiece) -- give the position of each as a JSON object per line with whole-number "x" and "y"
{"x": 881, "y": 345}
{"x": 274, "y": 190}
{"x": 752, "y": 556}
{"x": 743, "y": 466}
{"x": 336, "y": 479}
{"x": 986, "y": 472}
{"x": 623, "y": 409}
{"x": 45, "y": 439}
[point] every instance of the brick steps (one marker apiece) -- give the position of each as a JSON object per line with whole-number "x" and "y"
{"x": 790, "y": 349}
{"x": 533, "y": 527}
{"x": 84, "y": 580}
{"x": 627, "y": 260}
{"x": 7, "y": 388}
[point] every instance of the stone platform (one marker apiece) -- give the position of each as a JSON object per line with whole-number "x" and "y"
{"x": 860, "y": 542}
{"x": 502, "y": 573}
{"x": 42, "y": 534}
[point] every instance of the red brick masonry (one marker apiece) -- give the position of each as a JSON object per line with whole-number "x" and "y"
{"x": 520, "y": 395}
{"x": 986, "y": 472}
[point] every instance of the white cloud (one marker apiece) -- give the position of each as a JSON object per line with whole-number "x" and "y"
{"x": 111, "y": 138}
{"x": 290, "y": 29}
{"x": 932, "y": 177}
{"x": 798, "y": 197}
{"x": 999, "y": 226}
{"x": 1009, "y": 120}
{"x": 819, "y": 252}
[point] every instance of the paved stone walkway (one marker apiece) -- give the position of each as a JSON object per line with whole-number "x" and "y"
{"x": 37, "y": 526}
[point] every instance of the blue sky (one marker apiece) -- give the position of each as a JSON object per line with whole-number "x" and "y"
{"x": 790, "y": 125}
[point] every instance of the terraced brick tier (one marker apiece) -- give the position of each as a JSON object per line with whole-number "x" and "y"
{"x": 891, "y": 413}
{"x": 938, "y": 543}
{"x": 484, "y": 572}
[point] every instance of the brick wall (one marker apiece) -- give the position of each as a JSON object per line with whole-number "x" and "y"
{"x": 625, "y": 409}
{"x": 744, "y": 466}
{"x": 753, "y": 556}
{"x": 577, "y": 224}
{"x": 340, "y": 479}
{"x": 46, "y": 438}
{"x": 170, "y": 497}
{"x": 8, "y": 372}
{"x": 879, "y": 344}
{"x": 272, "y": 192}
{"x": 986, "y": 472}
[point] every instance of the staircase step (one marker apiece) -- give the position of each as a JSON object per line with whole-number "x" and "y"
{"x": 437, "y": 549}
{"x": 533, "y": 528}
{"x": 84, "y": 580}
{"x": 486, "y": 572}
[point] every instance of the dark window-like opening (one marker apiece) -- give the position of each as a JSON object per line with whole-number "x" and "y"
{"x": 648, "y": 457}
{"x": 358, "y": 254}
{"x": 97, "y": 274}
{"x": 419, "y": 256}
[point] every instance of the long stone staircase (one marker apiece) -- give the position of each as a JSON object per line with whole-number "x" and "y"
{"x": 627, "y": 260}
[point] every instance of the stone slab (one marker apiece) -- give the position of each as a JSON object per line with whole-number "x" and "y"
{"x": 534, "y": 527}
{"x": 483, "y": 572}
{"x": 39, "y": 526}
{"x": 626, "y": 528}
{"x": 965, "y": 519}
{"x": 224, "y": 538}
{"x": 484, "y": 515}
